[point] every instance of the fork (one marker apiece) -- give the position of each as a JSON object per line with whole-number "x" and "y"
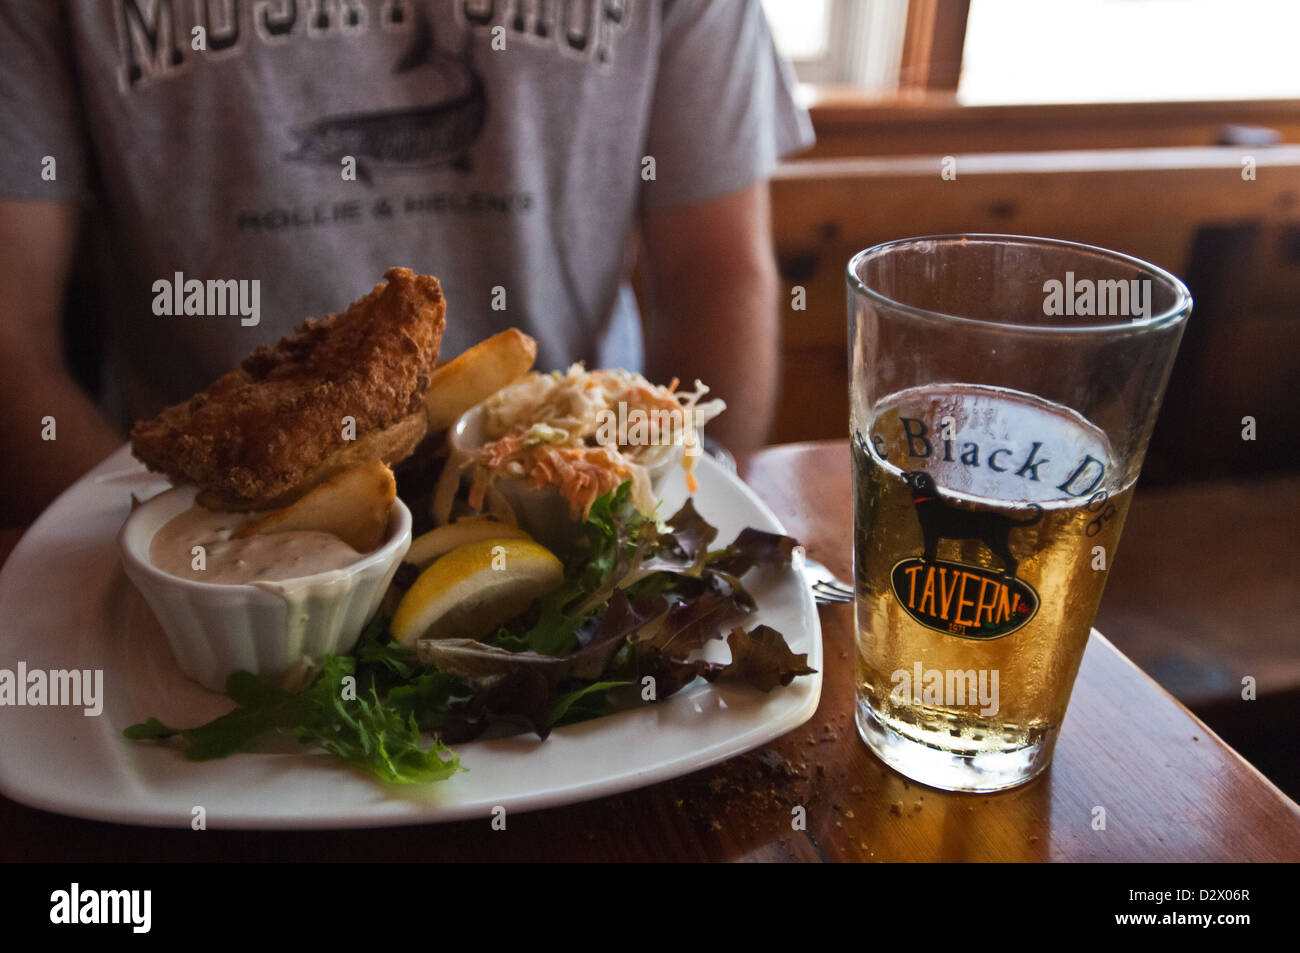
{"x": 826, "y": 587}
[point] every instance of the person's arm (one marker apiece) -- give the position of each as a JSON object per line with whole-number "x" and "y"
{"x": 713, "y": 307}
{"x": 38, "y": 239}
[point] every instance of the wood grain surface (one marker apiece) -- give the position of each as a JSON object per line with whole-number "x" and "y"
{"x": 1170, "y": 788}
{"x": 1148, "y": 202}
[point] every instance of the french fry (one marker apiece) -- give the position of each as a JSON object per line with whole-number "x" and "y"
{"x": 476, "y": 375}
{"x": 353, "y": 506}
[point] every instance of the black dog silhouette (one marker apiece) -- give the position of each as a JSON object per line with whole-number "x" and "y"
{"x": 941, "y": 521}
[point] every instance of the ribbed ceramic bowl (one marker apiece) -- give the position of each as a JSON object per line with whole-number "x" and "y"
{"x": 269, "y": 628}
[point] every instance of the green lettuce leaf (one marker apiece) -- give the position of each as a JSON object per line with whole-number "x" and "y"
{"x": 353, "y": 725}
{"x": 638, "y": 599}
{"x": 570, "y": 701}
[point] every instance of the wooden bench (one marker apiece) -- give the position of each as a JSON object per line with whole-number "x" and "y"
{"x": 1147, "y": 202}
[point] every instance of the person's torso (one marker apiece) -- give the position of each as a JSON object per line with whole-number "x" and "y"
{"x": 310, "y": 145}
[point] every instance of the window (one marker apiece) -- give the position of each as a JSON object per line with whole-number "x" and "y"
{"x": 1052, "y": 51}
{"x": 801, "y": 28}
{"x": 1027, "y": 51}
{"x": 857, "y": 42}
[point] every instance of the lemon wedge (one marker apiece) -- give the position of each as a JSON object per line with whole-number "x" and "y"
{"x": 427, "y": 547}
{"x": 470, "y": 591}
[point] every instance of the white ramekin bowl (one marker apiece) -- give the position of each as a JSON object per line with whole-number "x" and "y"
{"x": 268, "y": 629}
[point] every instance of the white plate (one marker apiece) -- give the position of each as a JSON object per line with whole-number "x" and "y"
{"x": 66, "y": 604}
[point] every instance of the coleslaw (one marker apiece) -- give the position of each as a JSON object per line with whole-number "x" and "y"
{"x": 586, "y": 432}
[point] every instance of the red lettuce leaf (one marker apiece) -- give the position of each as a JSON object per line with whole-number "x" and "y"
{"x": 520, "y": 699}
{"x": 762, "y": 658}
{"x": 753, "y": 547}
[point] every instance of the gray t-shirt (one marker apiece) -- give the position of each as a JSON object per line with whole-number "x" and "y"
{"x": 506, "y": 146}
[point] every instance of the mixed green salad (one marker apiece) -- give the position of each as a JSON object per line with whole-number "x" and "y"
{"x": 640, "y": 599}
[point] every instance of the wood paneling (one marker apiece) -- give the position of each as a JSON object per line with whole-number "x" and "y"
{"x": 1188, "y": 597}
{"x": 1148, "y": 202}
{"x": 933, "y": 43}
{"x": 920, "y": 123}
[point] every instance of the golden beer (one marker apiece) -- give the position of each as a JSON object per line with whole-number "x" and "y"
{"x": 986, "y": 521}
{"x": 997, "y": 429}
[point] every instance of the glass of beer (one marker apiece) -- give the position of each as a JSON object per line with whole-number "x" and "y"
{"x": 1003, "y": 391}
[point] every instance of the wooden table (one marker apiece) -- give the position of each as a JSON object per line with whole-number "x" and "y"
{"x": 1170, "y": 788}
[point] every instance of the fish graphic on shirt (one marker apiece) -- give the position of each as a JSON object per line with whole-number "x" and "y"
{"x": 436, "y": 134}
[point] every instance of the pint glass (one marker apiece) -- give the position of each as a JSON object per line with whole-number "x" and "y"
{"x": 1003, "y": 391}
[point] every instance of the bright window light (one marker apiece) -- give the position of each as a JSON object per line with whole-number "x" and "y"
{"x": 800, "y": 27}
{"x": 1029, "y": 51}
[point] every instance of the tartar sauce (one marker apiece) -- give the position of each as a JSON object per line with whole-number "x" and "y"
{"x": 261, "y": 557}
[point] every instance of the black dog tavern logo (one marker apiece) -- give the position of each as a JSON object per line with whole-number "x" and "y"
{"x": 969, "y": 601}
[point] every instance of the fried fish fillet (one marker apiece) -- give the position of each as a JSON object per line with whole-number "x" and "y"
{"x": 264, "y": 434}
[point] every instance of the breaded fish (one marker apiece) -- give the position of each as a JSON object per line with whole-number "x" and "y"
{"x": 264, "y": 434}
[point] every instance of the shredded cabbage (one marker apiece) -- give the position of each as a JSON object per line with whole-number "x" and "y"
{"x": 587, "y": 432}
